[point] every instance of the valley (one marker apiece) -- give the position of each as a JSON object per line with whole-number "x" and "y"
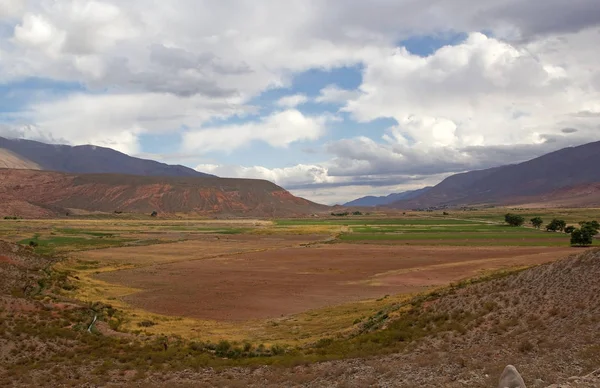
{"x": 286, "y": 290}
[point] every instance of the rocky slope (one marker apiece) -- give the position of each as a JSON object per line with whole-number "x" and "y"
{"x": 528, "y": 182}
{"x": 30, "y": 154}
{"x": 31, "y": 193}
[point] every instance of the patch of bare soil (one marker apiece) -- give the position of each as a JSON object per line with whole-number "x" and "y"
{"x": 200, "y": 248}
{"x": 286, "y": 281}
{"x": 544, "y": 320}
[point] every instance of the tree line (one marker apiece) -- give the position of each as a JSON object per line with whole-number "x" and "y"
{"x": 582, "y": 236}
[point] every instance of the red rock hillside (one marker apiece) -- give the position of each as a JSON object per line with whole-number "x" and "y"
{"x": 30, "y": 193}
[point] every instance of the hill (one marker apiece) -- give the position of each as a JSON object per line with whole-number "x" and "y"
{"x": 386, "y": 200}
{"x": 30, "y": 193}
{"x": 552, "y": 177}
{"x": 28, "y": 154}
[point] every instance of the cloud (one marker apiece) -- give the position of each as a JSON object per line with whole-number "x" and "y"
{"x": 288, "y": 177}
{"x": 117, "y": 121}
{"x": 11, "y": 8}
{"x": 178, "y": 67}
{"x": 316, "y": 183}
{"x": 292, "y": 101}
{"x": 336, "y": 95}
{"x": 280, "y": 129}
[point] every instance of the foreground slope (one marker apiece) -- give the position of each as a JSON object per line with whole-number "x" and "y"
{"x": 553, "y": 174}
{"x": 83, "y": 159}
{"x": 41, "y": 193}
{"x": 543, "y": 320}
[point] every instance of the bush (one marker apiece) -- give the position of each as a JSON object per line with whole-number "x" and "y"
{"x": 537, "y": 222}
{"x": 556, "y": 225}
{"x": 344, "y": 214}
{"x": 570, "y": 229}
{"x": 584, "y": 236}
{"x": 514, "y": 219}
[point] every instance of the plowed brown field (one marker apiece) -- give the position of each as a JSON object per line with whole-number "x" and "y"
{"x": 282, "y": 281}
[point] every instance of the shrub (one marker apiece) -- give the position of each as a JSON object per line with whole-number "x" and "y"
{"x": 222, "y": 348}
{"x": 514, "y": 219}
{"x": 570, "y": 229}
{"x": 556, "y": 225}
{"x": 146, "y": 324}
{"x": 537, "y": 222}
{"x": 525, "y": 346}
{"x": 344, "y": 214}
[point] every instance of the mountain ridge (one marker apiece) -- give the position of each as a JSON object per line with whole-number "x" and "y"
{"x": 528, "y": 181}
{"x": 31, "y": 193}
{"x": 83, "y": 159}
{"x": 371, "y": 201}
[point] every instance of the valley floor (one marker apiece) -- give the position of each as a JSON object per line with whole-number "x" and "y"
{"x": 269, "y": 304}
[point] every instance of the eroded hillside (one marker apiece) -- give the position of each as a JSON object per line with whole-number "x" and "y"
{"x": 41, "y": 193}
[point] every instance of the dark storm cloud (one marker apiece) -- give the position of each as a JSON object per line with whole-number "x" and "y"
{"x": 401, "y": 18}
{"x": 569, "y": 130}
{"x": 542, "y": 17}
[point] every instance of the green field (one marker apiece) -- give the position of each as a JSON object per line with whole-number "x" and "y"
{"x": 375, "y": 221}
{"x": 460, "y": 228}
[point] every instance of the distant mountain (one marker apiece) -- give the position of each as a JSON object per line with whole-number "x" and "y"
{"x": 31, "y": 193}
{"x": 554, "y": 176}
{"x": 28, "y": 154}
{"x": 371, "y": 201}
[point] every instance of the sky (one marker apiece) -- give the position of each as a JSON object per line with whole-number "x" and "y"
{"x": 331, "y": 99}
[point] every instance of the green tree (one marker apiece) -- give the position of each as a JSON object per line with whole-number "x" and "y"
{"x": 570, "y": 229}
{"x": 537, "y": 222}
{"x": 514, "y": 219}
{"x": 584, "y": 236}
{"x": 590, "y": 224}
{"x": 556, "y": 225}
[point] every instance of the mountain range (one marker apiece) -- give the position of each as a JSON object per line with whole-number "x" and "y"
{"x": 34, "y": 155}
{"x": 31, "y": 193}
{"x": 371, "y": 201}
{"x": 567, "y": 177}
{"x": 42, "y": 180}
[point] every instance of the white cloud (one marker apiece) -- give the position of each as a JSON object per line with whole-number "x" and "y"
{"x": 314, "y": 182}
{"x": 117, "y": 120}
{"x": 334, "y": 94}
{"x": 298, "y": 175}
{"x": 178, "y": 65}
{"x": 292, "y": 101}
{"x": 483, "y": 92}
{"x": 280, "y": 129}
{"x": 11, "y": 8}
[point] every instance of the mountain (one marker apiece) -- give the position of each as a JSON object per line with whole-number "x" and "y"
{"x": 31, "y": 193}
{"x": 388, "y": 199}
{"x": 553, "y": 177}
{"x": 28, "y": 154}
{"x": 9, "y": 159}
